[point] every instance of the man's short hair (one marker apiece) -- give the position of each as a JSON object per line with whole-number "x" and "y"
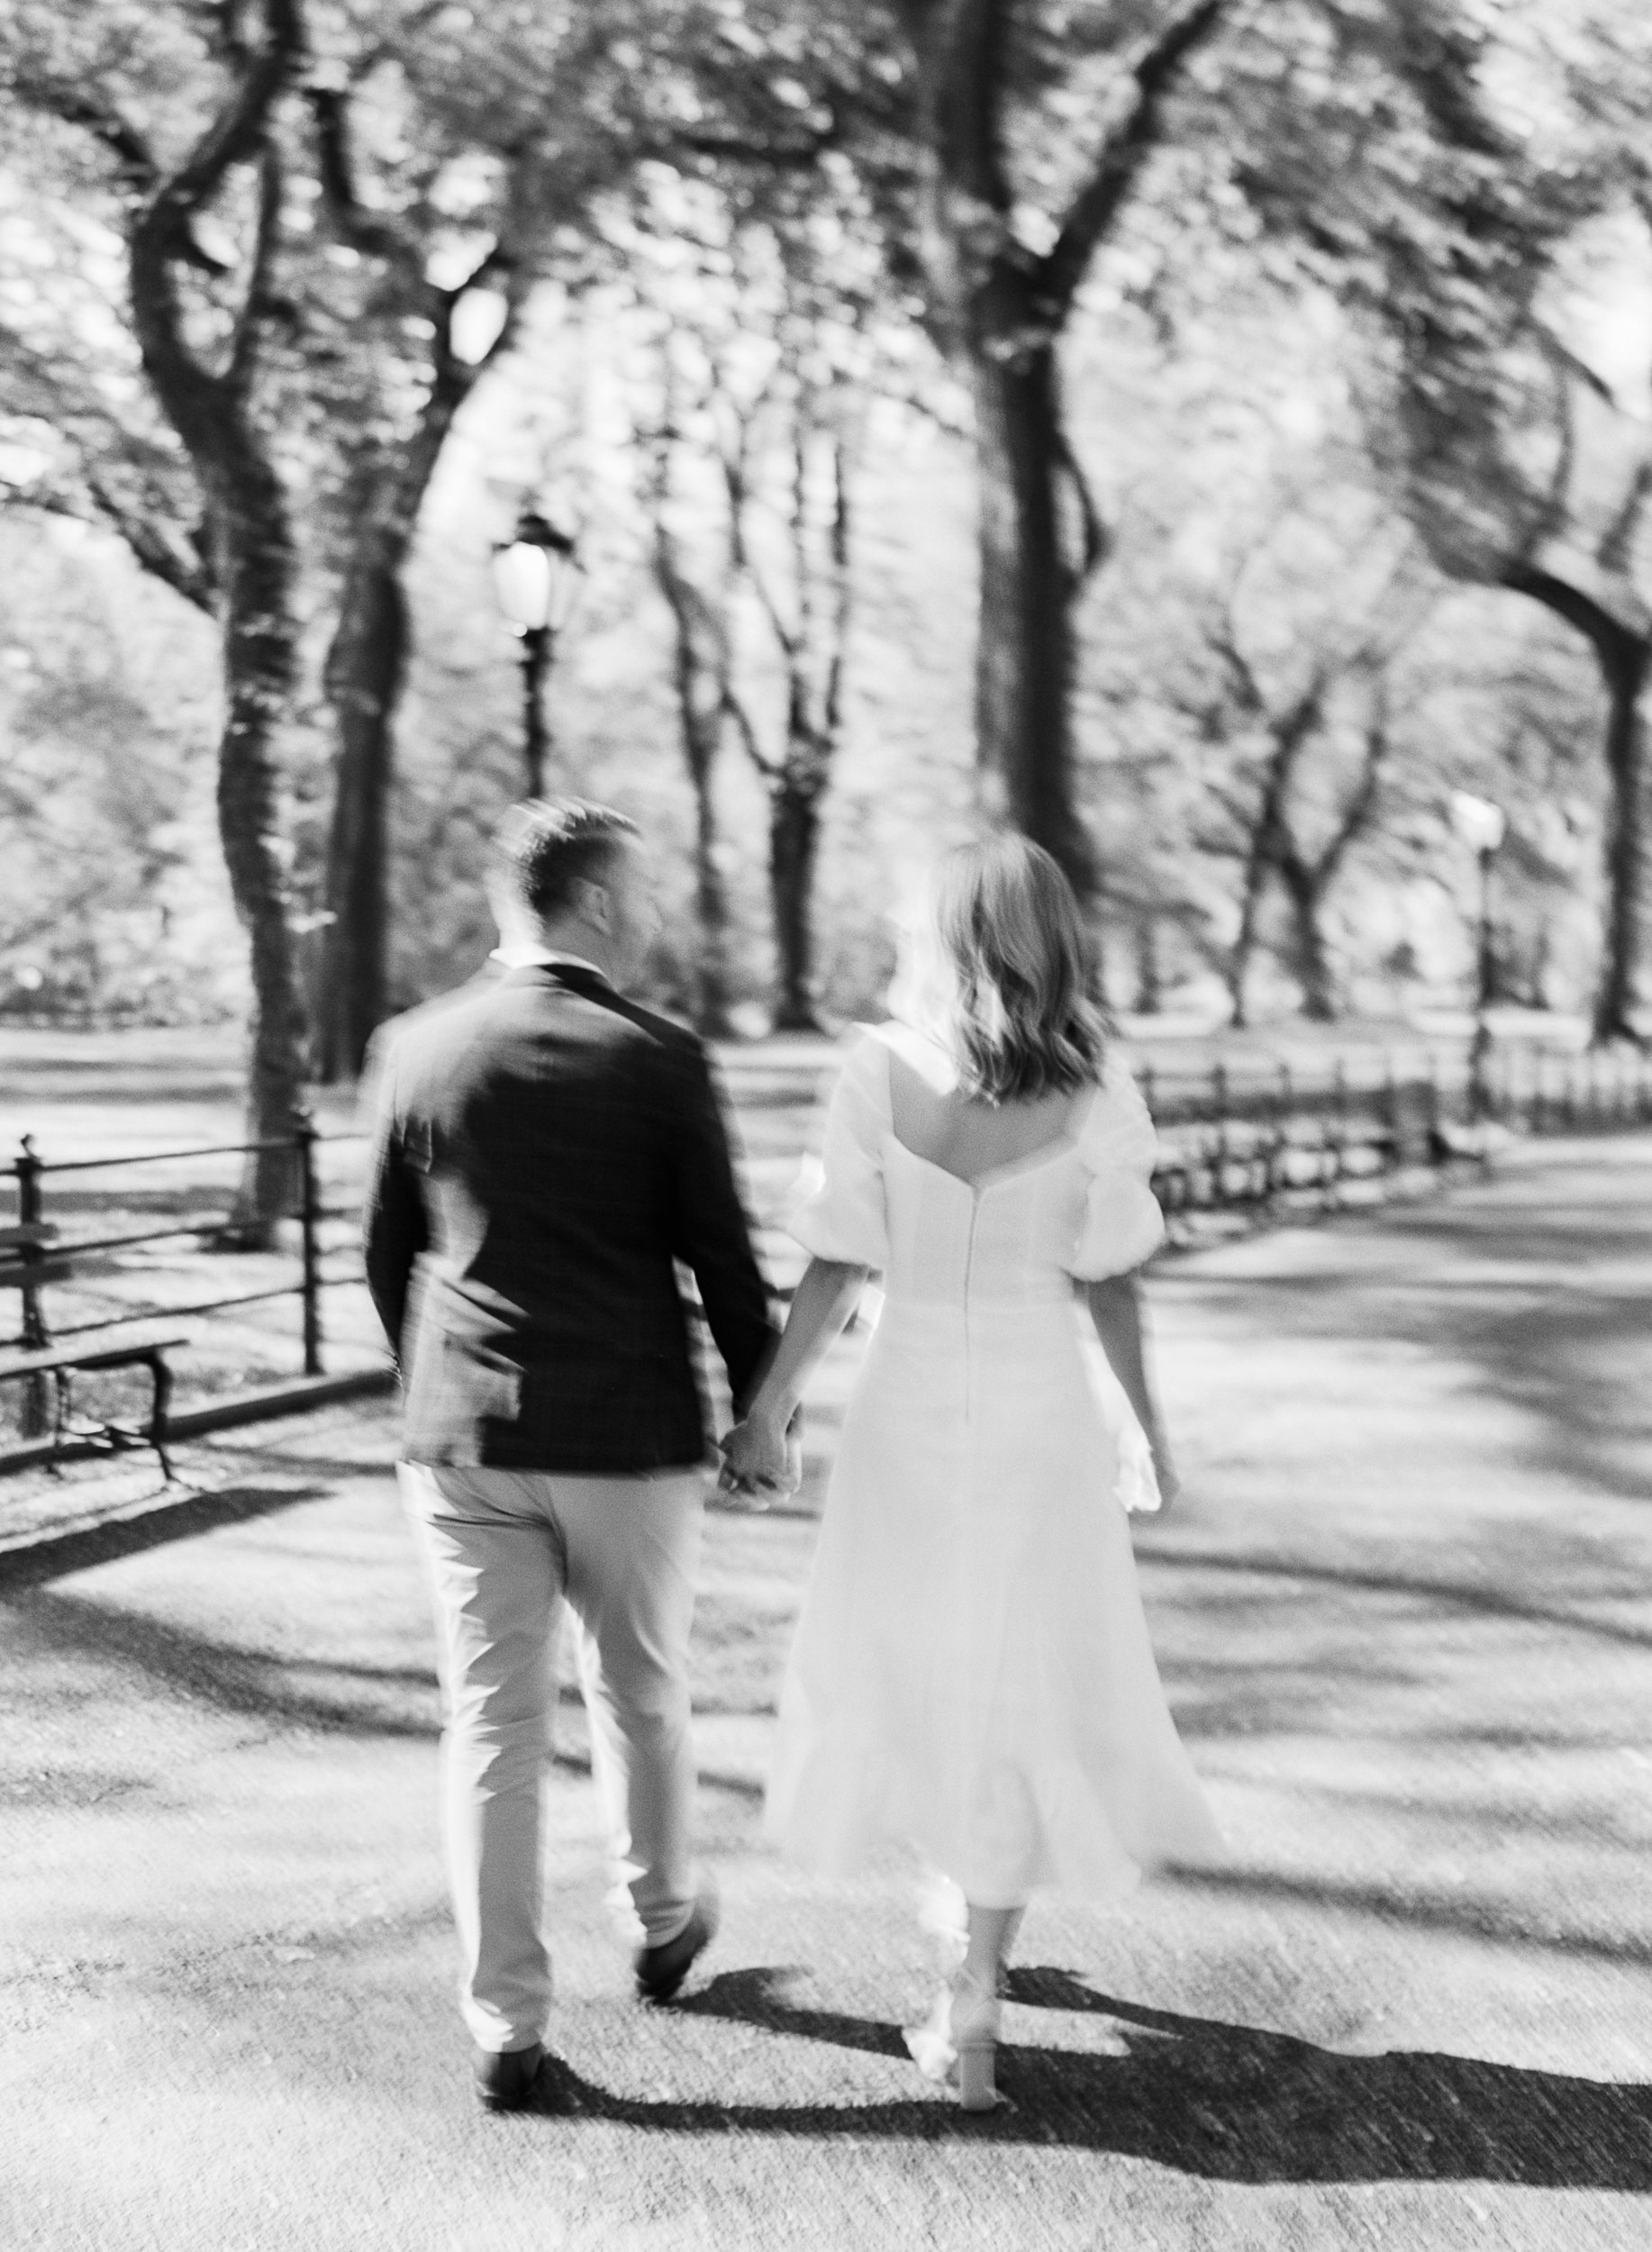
{"x": 546, "y": 845}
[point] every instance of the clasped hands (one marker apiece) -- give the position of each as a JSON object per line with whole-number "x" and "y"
{"x": 762, "y": 1460}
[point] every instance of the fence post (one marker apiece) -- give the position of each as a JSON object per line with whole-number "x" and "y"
{"x": 1218, "y": 1104}
{"x": 36, "y": 1398}
{"x": 309, "y": 1217}
{"x": 1279, "y": 1135}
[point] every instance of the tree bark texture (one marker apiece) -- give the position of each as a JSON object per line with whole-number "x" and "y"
{"x": 700, "y": 671}
{"x": 366, "y": 668}
{"x": 999, "y": 309}
{"x": 1628, "y": 813}
{"x": 814, "y": 651}
{"x": 366, "y": 672}
{"x": 1623, "y": 652}
{"x": 794, "y": 842}
{"x": 366, "y": 663}
{"x": 1024, "y": 644}
{"x": 701, "y": 691}
{"x": 213, "y": 408}
{"x": 1310, "y": 958}
{"x": 1244, "y": 939}
{"x": 711, "y": 912}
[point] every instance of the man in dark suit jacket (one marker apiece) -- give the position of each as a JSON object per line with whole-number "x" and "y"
{"x": 547, "y": 1152}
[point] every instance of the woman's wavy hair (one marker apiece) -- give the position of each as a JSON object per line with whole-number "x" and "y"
{"x": 1009, "y": 947}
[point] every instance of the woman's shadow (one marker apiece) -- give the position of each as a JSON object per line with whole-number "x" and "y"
{"x": 1228, "y": 2102}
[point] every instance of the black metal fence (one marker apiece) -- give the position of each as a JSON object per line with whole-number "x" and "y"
{"x": 42, "y": 1256}
{"x": 1235, "y": 1136}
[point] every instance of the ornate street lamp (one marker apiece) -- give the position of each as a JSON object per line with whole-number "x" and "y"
{"x": 1481, "y": 827}
{"x": 536, "y": 576}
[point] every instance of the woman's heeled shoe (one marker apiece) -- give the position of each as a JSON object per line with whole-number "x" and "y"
{"x": 955, "y": 2043}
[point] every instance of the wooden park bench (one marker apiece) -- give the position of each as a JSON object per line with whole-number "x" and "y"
{"x": 27, "y": 1260}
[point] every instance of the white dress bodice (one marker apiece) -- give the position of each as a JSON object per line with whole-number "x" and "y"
{"x": 1083, "y": 1208}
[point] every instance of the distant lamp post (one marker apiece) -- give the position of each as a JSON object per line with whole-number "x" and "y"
{"x": 1481, "y": 826}
{"x": 536, "y": 576}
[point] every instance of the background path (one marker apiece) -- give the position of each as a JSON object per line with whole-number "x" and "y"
{"x": 1405, "y": 1614}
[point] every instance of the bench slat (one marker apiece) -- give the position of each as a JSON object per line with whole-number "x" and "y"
{"x": 31, "y": 1232}
{"x": 17, "y": 1274}
{"x": 87, "y": 1352}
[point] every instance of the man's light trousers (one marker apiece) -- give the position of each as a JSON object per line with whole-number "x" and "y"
{"x": 505, "y": 1548}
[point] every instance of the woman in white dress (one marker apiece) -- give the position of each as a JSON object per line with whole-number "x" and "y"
{"x": 971, "y": 1671}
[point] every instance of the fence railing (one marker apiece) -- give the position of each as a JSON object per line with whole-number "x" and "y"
{"x": 44, "y": 1259}
{"x": 1234, "y": 1137}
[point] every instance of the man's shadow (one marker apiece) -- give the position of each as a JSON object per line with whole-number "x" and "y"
{"x": 1231, "y": 2102}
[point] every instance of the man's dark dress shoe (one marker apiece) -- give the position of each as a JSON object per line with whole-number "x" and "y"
{"x": 661, "y": 1970}
{"x": 508, "y": 2081}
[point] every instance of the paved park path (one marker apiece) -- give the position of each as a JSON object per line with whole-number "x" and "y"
{"x": 1405, "y": 1612}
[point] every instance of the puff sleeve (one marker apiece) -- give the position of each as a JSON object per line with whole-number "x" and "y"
{"x": 1121, "y": 1223}
{"x": 839, "y": 1213}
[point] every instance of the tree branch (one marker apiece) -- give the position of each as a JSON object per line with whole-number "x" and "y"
{"x": 1608, "y": 635}
{"x": 195, "y": 399}
{"x": 1095, "y": 542}
{"x": 236, "y": 134}
{"x": 1617, "y": 543}
{"x": 734, "y": 467}
{"x": 1356, "y": 814}
{"x": 843, "y": 589}
{"x": 1096, "y": 206}
{"x": 255, "y": 304}
{"x": 187, "y": 576}
{"x": 79, "y": 105}
{"x": 373, "y": 234}
{"x": 1225, "y": 642}
{"x": 769, "y": 769}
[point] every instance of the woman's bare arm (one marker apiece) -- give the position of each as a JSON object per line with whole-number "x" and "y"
{"x": 755, "y": 1450}
{"x": 1115, "y": 1308}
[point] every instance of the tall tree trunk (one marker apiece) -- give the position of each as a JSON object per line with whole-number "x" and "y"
{"x": 1001, "y": 309}
{"x": 1149, "y": 974}
{"x": 367, "y": 668}
{"x": 365, "y": 673}
{"x": 1244, "y": 939}
{"x": 1024, "y": 648}
{"x": 209, "y": 394}
{"x": 793, "y": 841}
{"x": 1628, "y": 814}
{"x": 261, "y": 655}
{"x": 1310, "y": 958}
{"x": 1624, "y": 655}
{"x": 213, "y": 410}
{"x": 699, "y": 674}
{"x": 366, "y": 663}
{"x": 711, "y": 913}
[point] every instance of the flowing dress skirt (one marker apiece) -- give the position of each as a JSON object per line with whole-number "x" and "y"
{"x": 972, "y": 1671}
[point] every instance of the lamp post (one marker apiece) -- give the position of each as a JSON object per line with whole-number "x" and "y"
{"x": 1481, "y": 825}
{"x": 536, "y": 575}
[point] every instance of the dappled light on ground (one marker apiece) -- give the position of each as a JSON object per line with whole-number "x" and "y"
{"x": 1402, "y": 1612}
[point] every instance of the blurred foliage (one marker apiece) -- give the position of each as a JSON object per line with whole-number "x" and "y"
{"x": 1369, "y": 338}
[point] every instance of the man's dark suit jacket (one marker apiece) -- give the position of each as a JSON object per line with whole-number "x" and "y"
{"x": 546, "y": 1149}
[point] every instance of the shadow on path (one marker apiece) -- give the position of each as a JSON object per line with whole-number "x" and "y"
{"x": 1230, "y": 2103}
{"x": 54, "y": 1555}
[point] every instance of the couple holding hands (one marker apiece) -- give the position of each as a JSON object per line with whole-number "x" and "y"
{"x": 971, "y": 1674}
